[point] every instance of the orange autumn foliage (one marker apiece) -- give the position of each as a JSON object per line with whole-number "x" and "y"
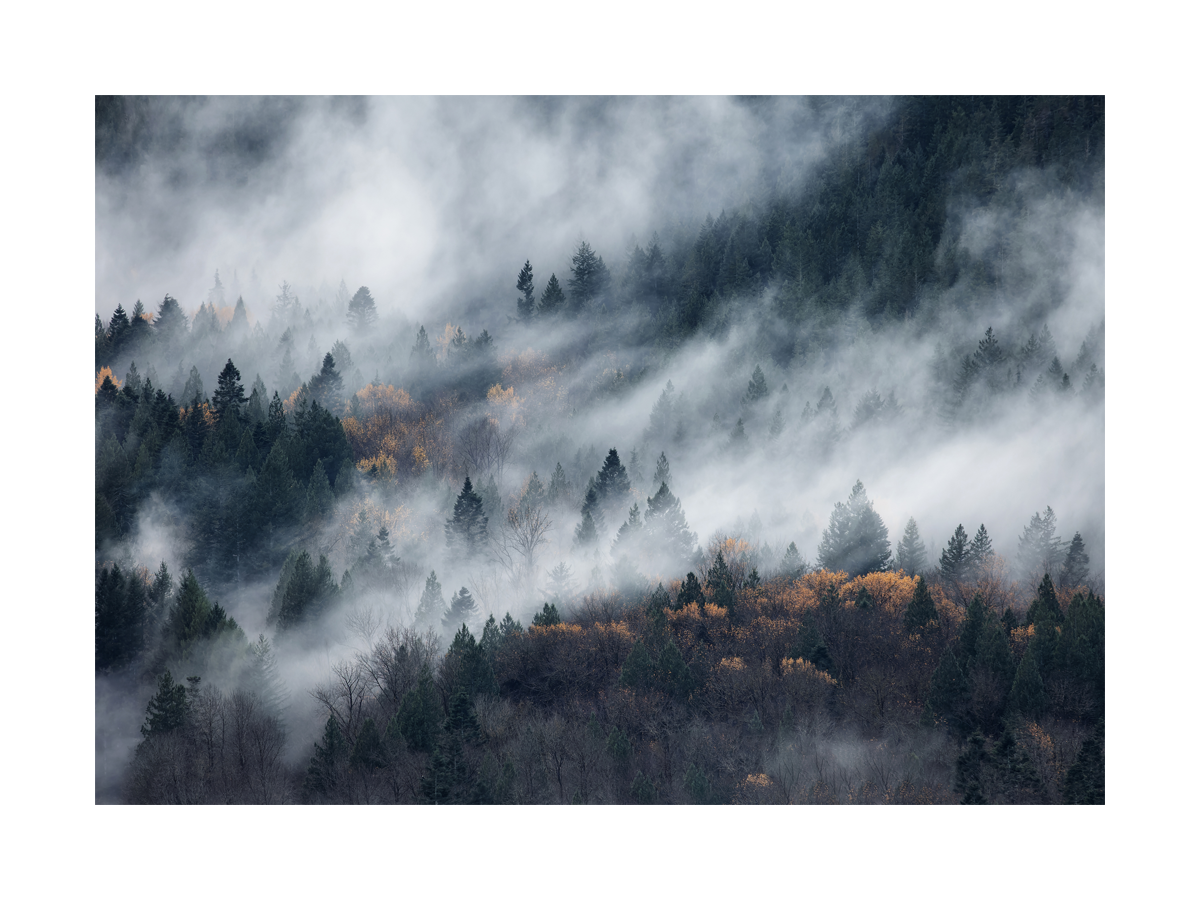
{"x": 105, "y": 372}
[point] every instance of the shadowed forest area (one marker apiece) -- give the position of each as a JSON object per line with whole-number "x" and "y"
{"x": 700, "y": 451}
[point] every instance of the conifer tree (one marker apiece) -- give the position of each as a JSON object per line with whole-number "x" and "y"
{"x": 921, "y": 609}
{"x": 326, "y": 768}
{"x": 612, "y": 485}
{"x": 229, "y": 396}
{"x": 1038, "y": 549}
{"x": 467, "y": 530}
{"x": 690, "y": 591}
{"x": 1028, "y": 694}
{"x": 673, "y": 674}
{"x": 662, "y": 471}
{"x": 979, "y": 551}
{"x": 856, "y": 541}
{"x": 553, "y": 299}
{"x": 525, "y": 303}
{"x": 666, "y": 528}
{"x": 361, "y": 312}
{"x": 319, "y": 496}
{"x": 420, "y": 714}
{"x": 1085, "y": 779}
{"x": 954, "y": 557}
{"x": 548, "y": 616}
{"x": 589, "y": 278}
{"x": 910, "y": 552}
{"x": 949, "y": 692}
{"x": 720, "y": 582}
{"x": 559, "y": 491}
{"x": 168, "y": 709}
{"x": 1045, "y": 605}
{"x": 1075, "y": 568}
{"x": 462, "y": 611}
{"x": 792, "y": 564}
{"x": 757, "y": 389}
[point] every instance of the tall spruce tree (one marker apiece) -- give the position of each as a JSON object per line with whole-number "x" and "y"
{"x": 910, "y": 552}
{"x": 856, "y": 541}
{"x": 955, "y": 556}
{"x": 467, "y": 529}
{"x": 1075, "y": 569}
{"x": 526, "y": 304}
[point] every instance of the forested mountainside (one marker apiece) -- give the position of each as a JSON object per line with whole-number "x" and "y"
{"x": 763, "y": 508}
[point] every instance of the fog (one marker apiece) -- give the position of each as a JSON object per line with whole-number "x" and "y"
{"x": 435, "y": 204}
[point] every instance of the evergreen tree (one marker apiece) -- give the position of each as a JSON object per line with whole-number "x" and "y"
{"x": 548, "y": 616}
{"x": 662, "y": 471}
{"x": 673, "y": 674}
{"x": 856, "y": 540}
{"x": 310, "y": 591}
{"x": 1075, "y": 568}
{"x": 325, "y": 387}
{"x": 361, "y": 312}
{"x": 263, "y": 680}
{"x": 792, "y": 565}
{"x": 757, "y": 389}
{"x": 978, "y": 552}
{"x": 810, "y": 646}
{"x": 319, "y": 497}
{"x": 1044, "y": 607}
{"x": 558, "y": 494}
{"x": 612, "y": 484}
{"x": 431, "y": 608}
{"x": 368, "y": 753}
{"x": 978, "y": 617}
{"x": 910, "y": 552}
{"x": 666, "y": 529}
{"x": 921, "y": 609}
{"x": 467, "y": 530}
{"x": 695, "y": 782}
{"x": 1028, "y": 694}
{"x": 954, "y": 557}
{"x": 420, "y": 714}
{"x": 643, "y": 790}
{"x": 720, "y": 582}
{"x": 1038, "y": 549}
{"x": 120, "y": 618}
{"x": 586, "y": 534}
{"x": 1085, "y": 778}
{"x": 168, "y": 709}
{"x": 949, "y": 692}
{"x": 326, "y": 768}
{"x": 462, "y": 611}
{"x": 690, "y": 591}
{"x": 553, "y": 298}
{"x": 526, "y": 303}
{"x": 589, "y": 278}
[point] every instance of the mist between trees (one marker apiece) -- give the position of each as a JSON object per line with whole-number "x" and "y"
{"x": 802, "y": 503}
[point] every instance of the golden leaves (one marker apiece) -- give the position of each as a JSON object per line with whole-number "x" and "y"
{"x": 105, "y": 372}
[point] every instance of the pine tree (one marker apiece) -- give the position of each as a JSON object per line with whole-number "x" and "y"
{"x": 310, "y": 591}
{"x": 662, "y": 471}
{"x": 1028, "y": 694}
{"x": 666, "y": 529}
{"x": 695, "y": 782}
{"x": 954, "y": 557}
{"x": 526, "y": 303}
{"x": 589, "y": 278}
{"x": 673, "y": 674}
{"x": 1038, "y": 549}
{"x": 690, "y": 592}
{"x": 361, "y": 312}
{"x": 467, "y": 530}
{"x": 612, "y": 484}
{"x": 558, "y": 494}
{"x": 921, "y": 609}
{"x": 552, "y": 299}
{"x": 856, "y": 540}
{"x": 1085, "y": 779}
{"x": 326, "y": 768}
{"x": 792, "y": 565}
{"x": 1044, "y": 607}
{"x": 910, "y": 552}
{"x": 168, "y": 709}
{"x": 949, "y": 692}
{"x": 319, "y": 497}
{"x": 978, "y": 553}
{"x": 757, "y": 389}
{"x": 431, "y": 608}
{"x": 720, "y": 582}
{"x": 462, "y": 611}
{"x": 1075, "y": 568}
{"x": 420, "y": 714}
{"x": 325, "y": 387}
{"x": 548, "y": 616}
{"x": 120, "y": 618}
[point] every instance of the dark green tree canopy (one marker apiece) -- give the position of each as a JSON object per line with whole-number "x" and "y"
{"x": 361, "y": 311}
{"x": 467, "y": 529}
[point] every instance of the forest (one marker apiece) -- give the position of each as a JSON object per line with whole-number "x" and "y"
{"x": 798, "y": 498}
